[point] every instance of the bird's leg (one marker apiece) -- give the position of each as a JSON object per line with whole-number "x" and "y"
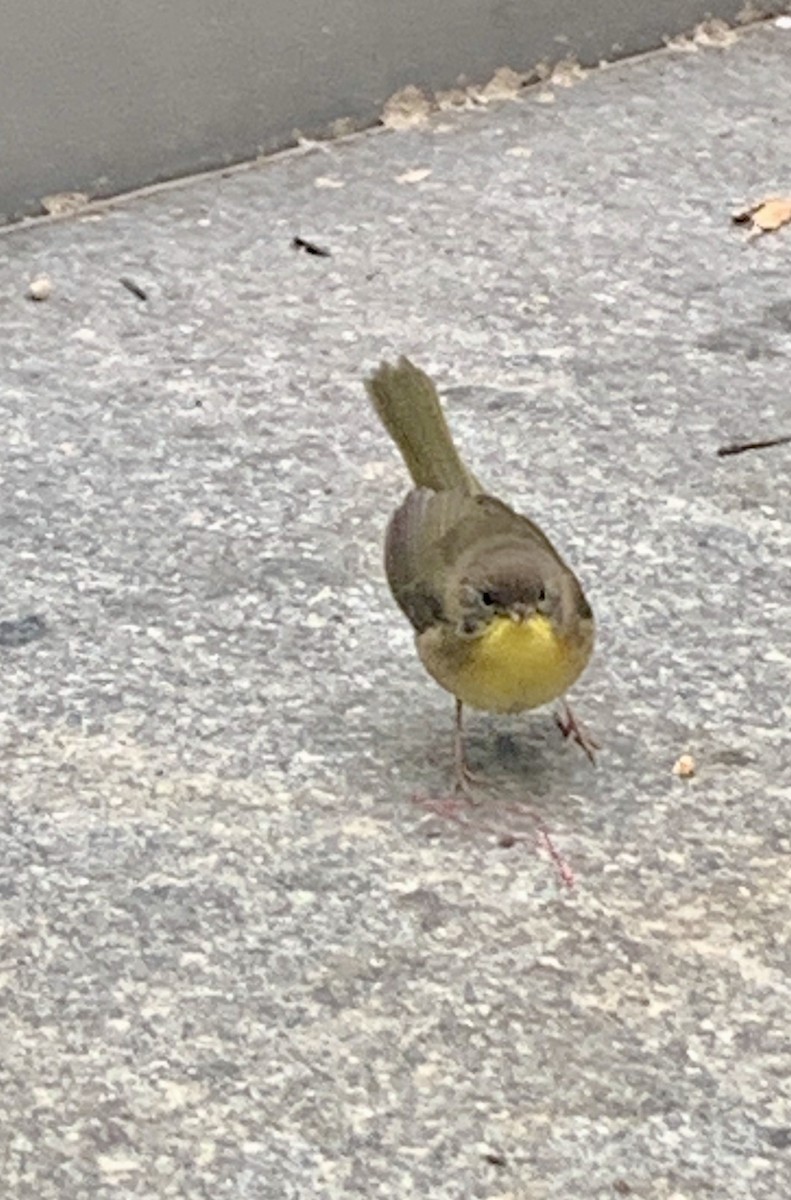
{"x": 465, "y": 778}
{"x": 570, "y": 727}
{"x": 458, "y": 803}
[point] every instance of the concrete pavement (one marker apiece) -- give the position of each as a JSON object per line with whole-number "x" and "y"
{"x": 238, "y": 960}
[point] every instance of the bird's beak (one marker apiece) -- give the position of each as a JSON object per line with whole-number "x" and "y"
{"x": 520, "y": 612}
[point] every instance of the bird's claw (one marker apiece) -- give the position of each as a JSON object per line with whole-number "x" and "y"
{"x": 571, "y": 728}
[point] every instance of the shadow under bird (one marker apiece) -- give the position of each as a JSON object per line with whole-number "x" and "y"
{"x": 500, "y": 620}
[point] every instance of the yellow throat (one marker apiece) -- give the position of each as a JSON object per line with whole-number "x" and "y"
{"x": 509, "y": 667}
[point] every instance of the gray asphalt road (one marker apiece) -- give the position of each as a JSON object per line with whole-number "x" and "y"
{"x": 239, "y": 960}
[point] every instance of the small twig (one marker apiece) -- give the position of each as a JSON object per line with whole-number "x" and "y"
{"x": 300, "y": 243}
{"x": 563, "y": 868}
{"x": 544, "y": 838}
{"x": 451, "y": 809}
{"x": 740, "y": 447}
{"x": 133, "y": 287}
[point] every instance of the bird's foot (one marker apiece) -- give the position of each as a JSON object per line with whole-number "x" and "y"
{"x": 450, "y": 807}
{"x": 456, "y": 804}
{"x": 570, "y": 727}
{"x": 466, "y": 781}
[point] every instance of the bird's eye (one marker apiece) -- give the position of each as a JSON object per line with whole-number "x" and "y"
{"x": 487, "y": 598}
{"x": 542, "y": 595}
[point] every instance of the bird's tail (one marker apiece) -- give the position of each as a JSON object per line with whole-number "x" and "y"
{"x": 409, "y": 408}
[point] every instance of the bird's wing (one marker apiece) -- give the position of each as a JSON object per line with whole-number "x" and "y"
{"x": 414, "y": 550}
{"x": 485, "y": 516}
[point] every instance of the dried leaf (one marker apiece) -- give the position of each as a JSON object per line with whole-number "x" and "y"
{"x": 406, "y": 109}
{"x": 750, "y": 12}
{"x": 453, "y": 98}
{"x": 63, "y": 202}
{"x": 567, "y": 73}
{"x": 773, "y": 213}
{"x": 343, "y": 127}
{"x": 766, "y": 216}
{"x": 714, "y": 33}
{"x": 503, "y": 85}
{"x": 681, "y": 44}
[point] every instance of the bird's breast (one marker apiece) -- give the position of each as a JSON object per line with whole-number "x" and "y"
{"x": 510, "y": 666}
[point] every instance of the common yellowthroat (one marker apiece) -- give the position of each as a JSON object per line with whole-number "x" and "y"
{"x": 500, "y": 619}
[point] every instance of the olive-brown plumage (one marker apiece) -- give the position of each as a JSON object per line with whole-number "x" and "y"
{"x": 500, "y": 619}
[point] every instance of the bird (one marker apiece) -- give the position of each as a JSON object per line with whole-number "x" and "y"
{"x": 500, "y": 619}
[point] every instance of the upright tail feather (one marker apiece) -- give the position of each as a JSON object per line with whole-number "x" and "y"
{"x": 409, "y": 408}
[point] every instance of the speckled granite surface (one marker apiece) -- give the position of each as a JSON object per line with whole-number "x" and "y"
{"x": 237, "y": 960}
